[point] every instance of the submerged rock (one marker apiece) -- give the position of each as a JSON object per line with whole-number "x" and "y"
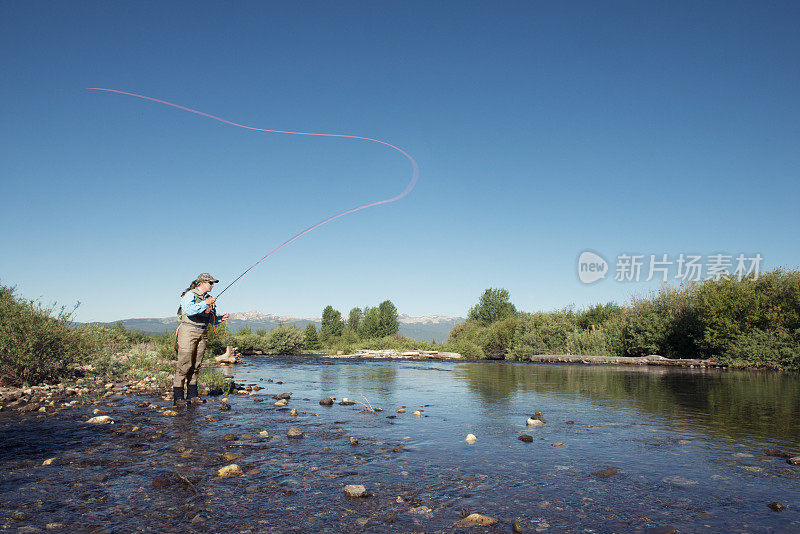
{"x": 526, "y": 438}
{"x": 776, "y": 506}
{"x": 294, "y": 433}
{"x": 605, "y": 473}
{"x": 356, "y": 490}
{"x": 778, "y": 453}
{"x": 224, "y": 406}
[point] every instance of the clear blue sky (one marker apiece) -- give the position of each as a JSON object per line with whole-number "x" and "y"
{"x": 541, "y": 129}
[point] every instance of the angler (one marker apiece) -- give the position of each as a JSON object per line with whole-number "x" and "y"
{"x": 197, "y": 312}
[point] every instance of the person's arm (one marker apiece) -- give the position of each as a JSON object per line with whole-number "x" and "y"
{"x": 189, "y": 306}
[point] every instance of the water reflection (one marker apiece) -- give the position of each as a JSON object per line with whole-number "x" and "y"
{"x": 731, "y": 403}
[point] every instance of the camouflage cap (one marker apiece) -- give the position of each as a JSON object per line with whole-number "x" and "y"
{"x": 205, "y": 277}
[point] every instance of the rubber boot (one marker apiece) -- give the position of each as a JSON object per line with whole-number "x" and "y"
{"x": 177, "y": 396}
{"x": 192, "y": 395}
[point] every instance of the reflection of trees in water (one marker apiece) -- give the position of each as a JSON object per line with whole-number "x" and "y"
{"x": 736, "y": 403}
{"x": 354, "y": 379}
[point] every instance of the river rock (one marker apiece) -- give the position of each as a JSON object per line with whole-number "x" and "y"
{"x": 101, "y": 420}
{"x": 169, "y": 413}
{"x": 353, "y": 440}
{"x": 417, "y": 413}
{"x": 356, "y": 491}
{"x": 793, "y": 461}
{"x": 470, "y": 438}
{"x": 477, "y": 520}
{"x": 229, "y": 437}
{"x": 424, "y": 511}
{"x": 526, "y": 438}
{"x": 776, "y": 506}
{"x": 224, "y": 406}
{"x": 778, "y": 453}
{"x": 294, "y": 433}
{"x": 49, "y": 461}
{"x": 666, "y": 529}
{"x": 679, "y": 481}
{"x": 231, "y": 456}
{"x": 346, "y": 402}
{"x": 283, "y": 395}
{"x": 327, "y": 401}
{"x": 232, "y": 470}
{"x": 281, "y": 402}
{"x": 605, "y": 473}
{"x": 263, "y": 434}
{"x": 293, "y": 412}
{"x": 533, "y": 422}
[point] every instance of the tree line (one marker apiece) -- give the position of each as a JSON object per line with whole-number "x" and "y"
{"x": 753, "y": 322}
{"x": 371, "y": 322}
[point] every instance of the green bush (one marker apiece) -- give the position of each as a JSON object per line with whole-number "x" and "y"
{"x": 543, "y": 333}
{"x": 665, "y": 323}
{"x": 729, "y": 308}
{"x": 284, "y": 340}
{"x": 778, "y": 348}
{"x": 36, "y": 343}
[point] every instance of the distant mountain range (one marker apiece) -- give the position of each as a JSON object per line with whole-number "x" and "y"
{"x": 434, "y": 327}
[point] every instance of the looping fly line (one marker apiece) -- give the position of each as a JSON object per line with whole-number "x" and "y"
{"x": 406, "y": 191}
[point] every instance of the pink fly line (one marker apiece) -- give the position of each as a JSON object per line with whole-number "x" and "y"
{"x": 406, "y": 191}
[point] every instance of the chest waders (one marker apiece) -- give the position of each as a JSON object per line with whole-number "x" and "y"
{"x": 190, "y": 343}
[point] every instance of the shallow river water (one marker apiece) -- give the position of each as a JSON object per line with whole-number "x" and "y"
{"x": 687, "y": 445}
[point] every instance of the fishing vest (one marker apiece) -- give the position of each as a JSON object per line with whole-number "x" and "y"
{"x": 202, "y": 319}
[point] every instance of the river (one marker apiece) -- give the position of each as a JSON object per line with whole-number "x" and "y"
{"x": 686, "y": 447}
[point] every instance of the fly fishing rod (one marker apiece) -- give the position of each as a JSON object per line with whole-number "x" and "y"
{"x": 407, "y": 190}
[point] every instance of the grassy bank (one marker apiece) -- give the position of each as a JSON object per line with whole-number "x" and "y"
{"x": 40, "y": 344}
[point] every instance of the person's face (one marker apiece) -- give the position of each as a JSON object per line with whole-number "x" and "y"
{"x": 206, "y": 287}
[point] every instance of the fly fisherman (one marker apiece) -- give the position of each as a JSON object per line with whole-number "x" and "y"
{"x": 196, "y": 311}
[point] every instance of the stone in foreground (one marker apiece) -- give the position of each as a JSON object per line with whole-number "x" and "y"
{"x": 477, "y": 520}
{"x": 101, "y": 420}
{"x": 355, "y": 490}
{"x": 232, "y": 470}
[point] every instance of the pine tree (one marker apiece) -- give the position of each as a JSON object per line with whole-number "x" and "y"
{"x": 312, "y": 340}
{"x": 388, "y": 324}
{"x": 370, "y": 324}
{"x": 332, "y": 324}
